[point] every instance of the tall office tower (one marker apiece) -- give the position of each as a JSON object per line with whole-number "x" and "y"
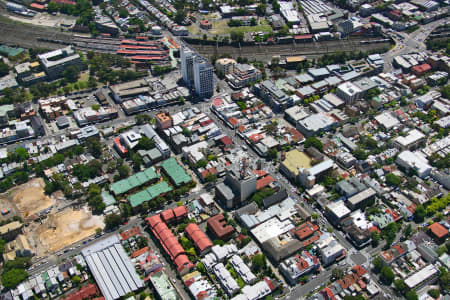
{"x": 187, "y": 65}
{"x": 203, "y": 77}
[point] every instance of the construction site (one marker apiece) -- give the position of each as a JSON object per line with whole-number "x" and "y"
{"x": 51, "y": 223}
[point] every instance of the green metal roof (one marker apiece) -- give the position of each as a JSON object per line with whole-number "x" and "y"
{"x": 175, "y": 171}
{"x": 120, "y": 187}
{"x": 10, "y": 51}
{"x": 139, "y": 198}
{"x": 149, "y": 193}
{"x": 108, "y": 199}
{"x": 158, "y": 189}
{"x": 134, "y": 181}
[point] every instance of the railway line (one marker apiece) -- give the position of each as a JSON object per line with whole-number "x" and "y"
{"x": 311, "y": 50}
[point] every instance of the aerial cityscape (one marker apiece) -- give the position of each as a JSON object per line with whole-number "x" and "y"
{"x": 240, "y": 149}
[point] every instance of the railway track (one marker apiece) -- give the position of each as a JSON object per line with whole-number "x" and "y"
{"x": 312, "y": 50}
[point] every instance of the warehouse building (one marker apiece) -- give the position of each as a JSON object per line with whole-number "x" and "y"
{"x": 112, "y": 268}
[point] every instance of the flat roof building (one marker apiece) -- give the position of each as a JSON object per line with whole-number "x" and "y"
{"x": 316, "y": 123}
{"x": 425, "y": 276}
{"x": 411, "y": 141}
{"x": 55, "y": 62}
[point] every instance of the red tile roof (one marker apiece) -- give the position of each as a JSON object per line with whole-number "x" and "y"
{"x": 167, "y": 215}
{"x": 169, "y": 242}
{"x": 180, "y": 211}
{"x": 37, "y": 6}
{"x": 306, "y": 230}
{"x": 260, "y": 173}
{"x": 256, "y": 137}
{"x": 421, "y": 68}
{"x": 85, "y": 292}
{"x": 217, "y": 102}
{"x": 303, "y": 37}
{"x": 130, "y": 233}
{"x": 64, "y": 2}
{"x": 219, "y": 227}
{"x": 233, "y": 121}
{"x": 204, "y": 123}
{"x": 201, "y": 241}
{"x": 263, "y": 182}
{"x": 226, "y": 140}
{"x": 139, "y": 252}
{"x": 438, "y": 230}
{"x": 358, "y": 269}
{"x": 119, "y": 146}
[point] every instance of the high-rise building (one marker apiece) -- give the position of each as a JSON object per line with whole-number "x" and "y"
{"x": 203, "y": 77}
{"x": 187, "y": 65}
{"x": 197, "y": 73}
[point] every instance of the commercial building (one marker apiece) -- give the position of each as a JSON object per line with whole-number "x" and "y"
{"x": 225, "y": 66}
{"x": 112, "y": 268}
{"x": 409, "y": 142}
{"x": 297, "y": 266}
{"x": 203, "y": 77}
{"x": 330, "y": 250}
{"x": 243, "y": 75}
{"x": 349, "y": 92}
{"x": 336, "y": 212}
{"x": 308, "y": 177}
{"x": 295, "y": 114}
{"x": 350, "y": 187}
{"x": 294, "y": 160}
{"x": 242, "y": 183}
{"x": 275, "y": 97}
{"x": 289, "y": 12}
{"x": 316, "y": 123}
{"x": 130, "y": 89}
{"x": 163, "y": 121}
{"x": 187, "y": 65}
{"x": 387, "y": 120}
{"x": 361, "y": 199}
{"x": 427, "y": 275}
{"x": 88, "y": 115}
{"x": 414, "y": 161}
{"x": 201, "y": 241}
{"x": 55, "y": 62}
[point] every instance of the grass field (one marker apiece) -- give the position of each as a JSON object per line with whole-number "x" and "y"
{"x": 221, "y": 27}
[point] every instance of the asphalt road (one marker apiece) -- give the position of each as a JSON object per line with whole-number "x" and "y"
{"x": 301, "y": 291}
{"x": 413, "y": 42}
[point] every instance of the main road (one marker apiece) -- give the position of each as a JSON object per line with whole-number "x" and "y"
{"x": 407, "y": 43}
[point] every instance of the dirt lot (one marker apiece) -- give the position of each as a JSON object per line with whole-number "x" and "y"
{"x": 45, "y": 19}
{"x": 65, "y": 228}
{"x": 30, "y": 198}
{"x": 27, "y": 199}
